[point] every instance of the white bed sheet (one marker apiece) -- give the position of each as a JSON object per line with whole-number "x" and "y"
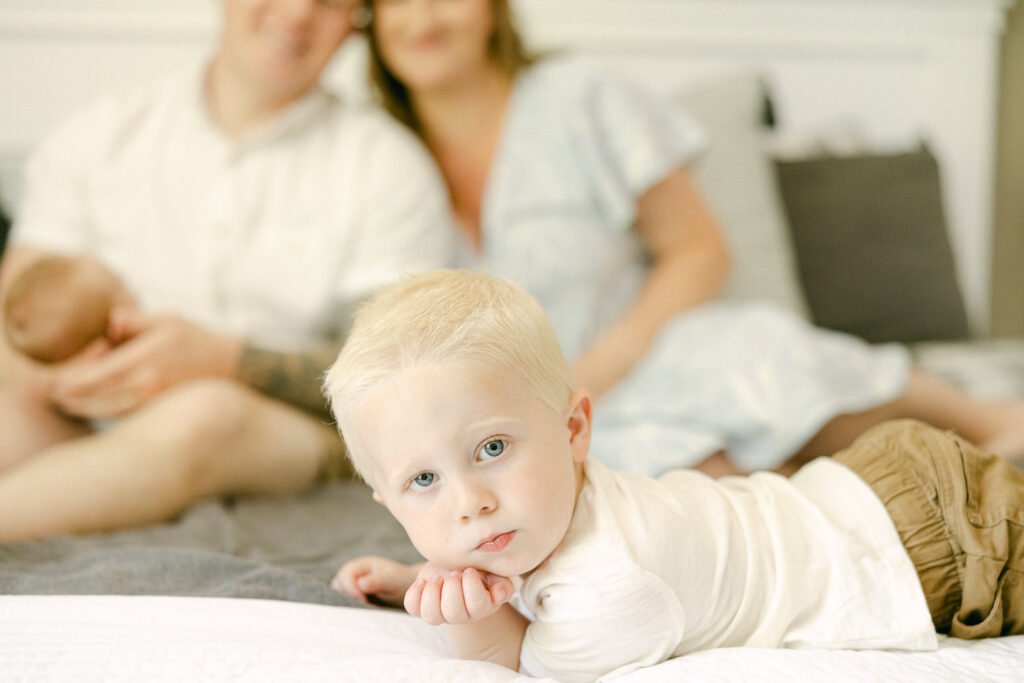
{"x": 133, "y": 638}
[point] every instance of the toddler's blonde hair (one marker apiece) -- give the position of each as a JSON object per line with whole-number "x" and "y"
{"x": 442, "y": 316}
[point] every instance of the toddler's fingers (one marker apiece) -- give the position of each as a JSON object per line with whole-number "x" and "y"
{"x": 430, "y": 602}
{"x": 453, "y": 608}
{"x": 476, "y": 596}
{"x": 343, "y": 581}
{"x": 501, "y": 590}
{"x": 414, "y": 596}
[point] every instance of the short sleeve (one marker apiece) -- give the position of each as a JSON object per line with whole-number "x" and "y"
{"x": 405, "y": 223}
{"x": 54, "y": 212}
{"x": 617, "y": 619}
{"x": 635, "y": 139}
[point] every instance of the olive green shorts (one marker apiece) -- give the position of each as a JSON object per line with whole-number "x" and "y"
{"x": 960, "y": 514}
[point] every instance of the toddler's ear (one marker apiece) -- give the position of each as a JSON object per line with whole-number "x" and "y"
{"x": 580, "y": 412}
{"x": 376, "y": 497}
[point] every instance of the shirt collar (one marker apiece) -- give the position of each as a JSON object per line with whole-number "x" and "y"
{"x": 294, "y": 116}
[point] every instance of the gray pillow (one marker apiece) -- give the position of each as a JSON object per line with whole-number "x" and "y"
{"x": 872, "y": 247}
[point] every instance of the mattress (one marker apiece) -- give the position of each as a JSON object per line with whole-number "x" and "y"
{"x": 170, "y": 638}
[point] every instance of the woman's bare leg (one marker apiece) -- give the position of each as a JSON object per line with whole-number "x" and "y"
{"x": 995, "y": 426}
{"x": 717, "y": 465}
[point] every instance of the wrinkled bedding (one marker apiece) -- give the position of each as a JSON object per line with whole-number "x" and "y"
{"x": 115, "y": 638}
{"x": 262, "y": 547}
{"x": 152, "y": 604}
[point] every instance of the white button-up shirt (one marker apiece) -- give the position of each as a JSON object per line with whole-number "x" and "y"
{"x": 273, "y": 238}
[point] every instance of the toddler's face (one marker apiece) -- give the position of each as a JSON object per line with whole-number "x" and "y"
{"x": 479, "y": 472}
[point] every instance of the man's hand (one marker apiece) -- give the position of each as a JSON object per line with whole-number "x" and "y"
{"x": 155, "y": 352}
{"x": 375, "y": 577}
{"x": 441, "y": 596}
{"x": 33, "y": 378}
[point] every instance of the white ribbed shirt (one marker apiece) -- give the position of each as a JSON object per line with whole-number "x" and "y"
{"x": 652, "y": 569}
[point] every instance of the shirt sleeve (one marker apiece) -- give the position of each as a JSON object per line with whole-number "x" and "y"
{"x": 634, "y": 139}
{"x": 54, "y": 212}
{"x": 618, "y": 619}
{"x": 406, "y": 224}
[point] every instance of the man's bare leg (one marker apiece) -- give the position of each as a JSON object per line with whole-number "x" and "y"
{"x": 198, "y": 439}
{"x": 28, "y": 427}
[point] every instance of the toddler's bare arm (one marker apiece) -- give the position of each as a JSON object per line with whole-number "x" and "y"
{"x": 473, "y": 606}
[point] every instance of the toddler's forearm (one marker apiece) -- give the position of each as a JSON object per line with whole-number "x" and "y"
{"x": 498, "y": 638}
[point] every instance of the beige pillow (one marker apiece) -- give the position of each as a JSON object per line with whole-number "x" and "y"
{"x": 738, "y": 180}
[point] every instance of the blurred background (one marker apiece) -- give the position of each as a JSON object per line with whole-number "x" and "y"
{"x": 1008, "y": 292}
{"x": 888, "y": 73}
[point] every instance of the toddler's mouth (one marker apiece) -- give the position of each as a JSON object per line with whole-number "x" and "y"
{"x": 496, "y": 543}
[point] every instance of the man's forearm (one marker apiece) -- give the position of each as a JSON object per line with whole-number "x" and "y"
{"x": 294, "y": 378}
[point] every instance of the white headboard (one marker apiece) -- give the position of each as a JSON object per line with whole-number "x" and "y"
{"x": 902, "y": 70}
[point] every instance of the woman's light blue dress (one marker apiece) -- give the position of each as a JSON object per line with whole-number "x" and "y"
{"x": 578, "y": 148}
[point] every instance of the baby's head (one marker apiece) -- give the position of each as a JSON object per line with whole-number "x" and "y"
{"x": 57, "y": 305}
{"x": 458, "y": 408}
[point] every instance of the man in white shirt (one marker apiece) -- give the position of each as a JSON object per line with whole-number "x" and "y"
{"x": 248, "y": 211}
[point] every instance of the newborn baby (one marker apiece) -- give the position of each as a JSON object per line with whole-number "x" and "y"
{"x": 60, "y": 304}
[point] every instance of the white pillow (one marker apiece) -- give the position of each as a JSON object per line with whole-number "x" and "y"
{"x": 737, "y": 178}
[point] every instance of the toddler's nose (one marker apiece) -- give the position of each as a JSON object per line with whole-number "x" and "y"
{"x": 475, "y": 500}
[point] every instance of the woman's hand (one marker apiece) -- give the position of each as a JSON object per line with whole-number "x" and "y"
{"x": 440, "y": 596}
{"x": 371, "y": 577}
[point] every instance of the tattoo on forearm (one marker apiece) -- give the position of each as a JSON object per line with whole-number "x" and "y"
{"x": 291, "y": 377}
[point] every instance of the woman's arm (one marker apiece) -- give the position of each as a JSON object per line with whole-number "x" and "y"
{"x": 691, "y": 263}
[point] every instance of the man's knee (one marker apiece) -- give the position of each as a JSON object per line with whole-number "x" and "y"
{"x": 27, "y": 427}
{"x": 223, "y": 436}
{"x": 200, "y": 415}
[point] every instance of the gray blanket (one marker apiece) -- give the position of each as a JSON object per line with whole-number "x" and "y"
{"x": 285, "y": 548}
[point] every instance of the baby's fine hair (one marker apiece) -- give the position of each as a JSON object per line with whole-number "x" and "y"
{"x": 442, "y": 316}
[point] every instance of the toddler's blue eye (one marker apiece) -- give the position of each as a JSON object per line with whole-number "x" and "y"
{"x": 493, "y": 448}
{"x": 423, "y": 480}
